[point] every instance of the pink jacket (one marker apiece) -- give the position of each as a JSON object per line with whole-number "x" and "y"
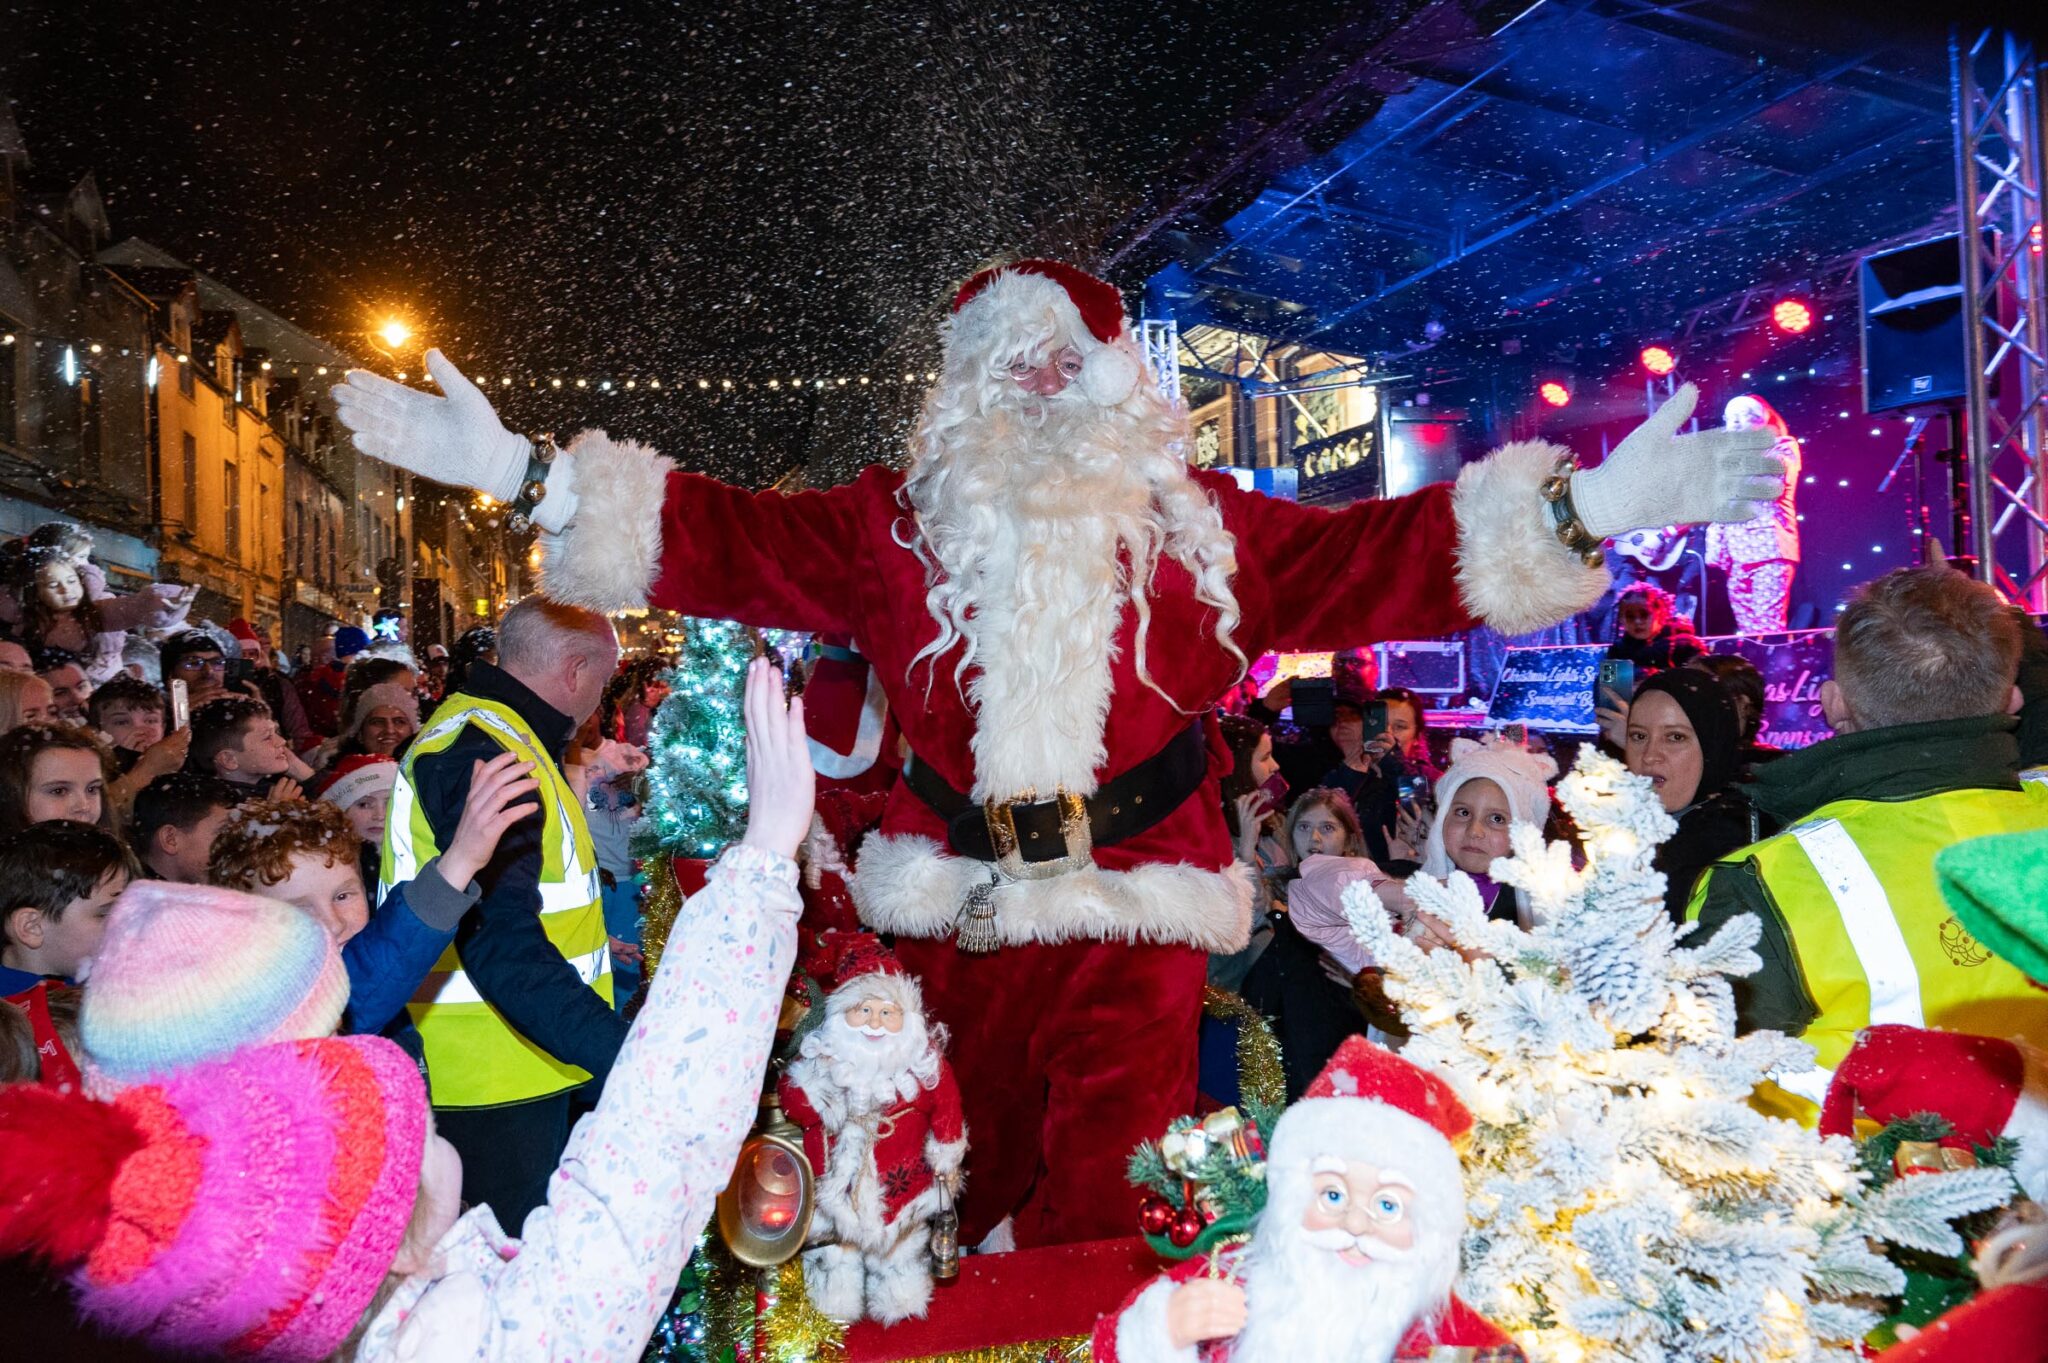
{"x": 637, "y": 1184}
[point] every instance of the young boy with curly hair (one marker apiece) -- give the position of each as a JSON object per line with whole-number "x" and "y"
{"x": 305, "y": 853}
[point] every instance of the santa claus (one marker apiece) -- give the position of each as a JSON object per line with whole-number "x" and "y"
{"x": 881, "y": 1121}
{"x": 1050, "y": 599}
{"x": 1353, "y": 1258}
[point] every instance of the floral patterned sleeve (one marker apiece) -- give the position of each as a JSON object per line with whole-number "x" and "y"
{"x": 637, "y": 1184}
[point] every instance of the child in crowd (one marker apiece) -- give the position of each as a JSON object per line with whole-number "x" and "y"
{"x": 175, "y": 822}
{"x": 1650, "y": 633}
{"x": 360, "y": 787}
{"x": 1489, "y": 787}
{"x": 132, "y": 714}
{"x": 276, "y": 1245}
{"x": 305, "y": 854}
{"x": 53, "y": 771}
{"x": 236, "y": 739}
{"x": 57, "y": 884}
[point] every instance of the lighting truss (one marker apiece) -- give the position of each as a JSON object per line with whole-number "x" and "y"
{"x": 1995, "y": 84}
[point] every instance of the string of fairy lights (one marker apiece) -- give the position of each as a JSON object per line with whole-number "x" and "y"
{"x": 76, "y": 357}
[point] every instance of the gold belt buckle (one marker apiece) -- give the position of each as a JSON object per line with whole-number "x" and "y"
{"x": 1074, "y": 831}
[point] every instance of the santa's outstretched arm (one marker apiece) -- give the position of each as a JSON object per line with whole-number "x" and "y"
{"x": 621, "y": 526}
{"x": 1514, "y": 543}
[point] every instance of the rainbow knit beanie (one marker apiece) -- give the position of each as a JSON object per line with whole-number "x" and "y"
{"x": 190, "y": 972}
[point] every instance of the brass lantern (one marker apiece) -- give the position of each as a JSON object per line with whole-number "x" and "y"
{"x": 764, "y": 1214}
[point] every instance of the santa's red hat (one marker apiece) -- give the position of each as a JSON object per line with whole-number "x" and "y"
{"x": 1375, "y": 1074}
{"x": 1983, "y": 1087}
{"x": 1109, "y": 368}
{"x": 863, "y": 954}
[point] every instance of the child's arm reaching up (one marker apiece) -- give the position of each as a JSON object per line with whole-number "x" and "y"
{"x": 641, "y": 1174}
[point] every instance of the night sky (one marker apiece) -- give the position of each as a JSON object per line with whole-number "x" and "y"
{"x": 618, "y": 188}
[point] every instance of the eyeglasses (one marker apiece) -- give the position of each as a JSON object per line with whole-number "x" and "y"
{"x": 193, "y": 662}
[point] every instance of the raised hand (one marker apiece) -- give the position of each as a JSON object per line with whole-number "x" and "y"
{"x": 1659, "y": 477}
{"x": 455, "y": 438}
{"x": 781, "y": 786}
{"x": 497, "y": 791}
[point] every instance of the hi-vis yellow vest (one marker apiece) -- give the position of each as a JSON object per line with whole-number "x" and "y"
{"x": 474, "y": 1057}
{"x": 1873, "y": 938}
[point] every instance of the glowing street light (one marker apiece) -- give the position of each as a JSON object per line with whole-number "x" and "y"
{"x": 395, "y": 333}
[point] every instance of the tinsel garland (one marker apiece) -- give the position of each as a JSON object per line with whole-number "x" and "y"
{"x": 658, "y": 914}
{"x": 1260, "y": 1077}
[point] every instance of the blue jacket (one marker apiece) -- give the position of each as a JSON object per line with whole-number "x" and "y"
{"x": 398, "y": 946}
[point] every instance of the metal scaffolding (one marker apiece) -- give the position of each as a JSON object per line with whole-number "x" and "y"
{"x": 1160, "y": 339}
{"x": 1995, "y": 86}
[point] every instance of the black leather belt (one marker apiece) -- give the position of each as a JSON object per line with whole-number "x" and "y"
{"x": 1032, "y": 839}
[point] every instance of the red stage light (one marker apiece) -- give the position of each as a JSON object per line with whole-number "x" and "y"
{"x": 1556, "y": 394}
{"x": 1791, "y": 316}
{"x": 1658, "y": 360}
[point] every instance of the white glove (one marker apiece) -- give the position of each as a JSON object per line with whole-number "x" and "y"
{"x": 456, "y": 439}
{"x": 1659, "y": 477}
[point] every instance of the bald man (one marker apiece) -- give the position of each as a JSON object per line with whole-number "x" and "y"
{"x": 518, "y": 1015}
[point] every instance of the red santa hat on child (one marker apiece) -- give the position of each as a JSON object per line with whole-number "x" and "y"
{"x": 357, "y": 776}
{"x": 997, "y": 301}
{"x": 1985, "y": 1088}
{"x": 1372, "y": 1106}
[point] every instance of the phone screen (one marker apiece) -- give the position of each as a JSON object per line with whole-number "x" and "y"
{"x": 1315, "y": 702}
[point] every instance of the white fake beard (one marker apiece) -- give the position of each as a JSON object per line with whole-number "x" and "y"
{"x": 844, "y": 1069}
{"x": 1303, "y": 1302}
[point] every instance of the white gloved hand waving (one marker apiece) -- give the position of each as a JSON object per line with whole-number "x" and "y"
{"x": 455, "y": 439}
{"x": 1659, "y": 477}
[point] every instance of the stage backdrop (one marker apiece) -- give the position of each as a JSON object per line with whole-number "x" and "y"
{"x": 1552, "y": 688}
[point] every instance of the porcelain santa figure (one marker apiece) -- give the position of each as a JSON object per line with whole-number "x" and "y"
{"x": 881, "y": 1121}
{"x": 1354, "y": 1256}
{"x": 1051, "y": 599}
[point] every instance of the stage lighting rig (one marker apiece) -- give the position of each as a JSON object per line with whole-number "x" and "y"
{"x": 1657, "y": 360}
{"x": 1791, "y": 316}
{"x": 1554, "y": 393}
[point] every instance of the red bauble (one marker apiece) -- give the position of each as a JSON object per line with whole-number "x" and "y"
{"x": 1185, "y": 1228}
{"x": 1155, "y": 1214}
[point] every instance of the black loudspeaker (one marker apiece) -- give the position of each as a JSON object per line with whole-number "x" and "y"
{"x": 1912, "y": 303}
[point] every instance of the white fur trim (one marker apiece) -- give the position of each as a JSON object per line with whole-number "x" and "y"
{"x": 835, "y": 1281}
{"x": 867, "y": 737}
{"x": 899, "y": 1284}
{"x": 911, "y": 886}
{"x": 610, "y": 553}
{"x": 945, "y": 1156}
{"x": 1141, "y": 1333}
{"x": 1108, "y": 375}
{"x": 2029, "y": 1125}
{"x": 1512, "y": 571}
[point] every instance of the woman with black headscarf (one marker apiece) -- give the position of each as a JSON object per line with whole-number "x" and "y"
{"x": 1685, "y": 735}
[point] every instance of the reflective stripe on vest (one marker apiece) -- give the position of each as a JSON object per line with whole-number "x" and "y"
{"x": 1867, "y": 915}
{"x": 475, "y": 1057}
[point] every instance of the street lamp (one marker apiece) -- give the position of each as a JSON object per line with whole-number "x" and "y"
{"x": 395, "y": 333}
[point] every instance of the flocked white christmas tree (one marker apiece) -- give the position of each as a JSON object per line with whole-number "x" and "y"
{"x": 1627, "y": 1204}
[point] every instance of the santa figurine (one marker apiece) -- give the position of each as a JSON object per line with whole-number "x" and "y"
{"x": 1049, "y": 598}
{"x": 881, "y": 1120}
{"x": 1354, "y": 1256}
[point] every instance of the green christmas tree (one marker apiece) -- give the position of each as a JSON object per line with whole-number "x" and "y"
{"x": 697, "y": 747}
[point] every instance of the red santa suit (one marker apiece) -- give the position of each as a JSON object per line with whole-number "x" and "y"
{"x": 1077, "y": 1038}
{"x": 880, "y": 1133}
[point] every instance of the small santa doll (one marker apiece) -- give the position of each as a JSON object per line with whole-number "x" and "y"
{"x": 1353, "y": 1258}
{"x": 881, "y": 1121}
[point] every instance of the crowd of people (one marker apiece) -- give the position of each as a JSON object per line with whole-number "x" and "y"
{"x": 1938, "y": 735}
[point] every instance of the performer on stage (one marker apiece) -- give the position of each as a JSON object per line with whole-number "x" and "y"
{"x": 1051, "y": 599}
{"x": 1760, "y": 556}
